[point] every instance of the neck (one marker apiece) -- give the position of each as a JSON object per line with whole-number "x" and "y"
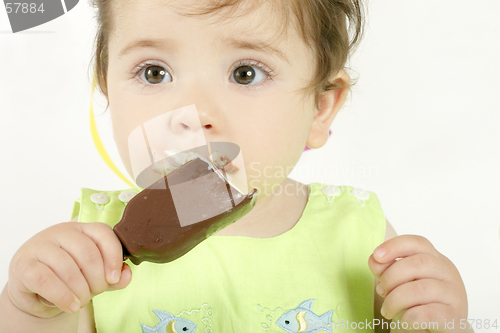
{"x": 272, "y": 214}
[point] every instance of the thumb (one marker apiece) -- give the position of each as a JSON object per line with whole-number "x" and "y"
{"x": 125, "y": 279}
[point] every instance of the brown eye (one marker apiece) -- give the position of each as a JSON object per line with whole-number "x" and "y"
{"x": 155, "y": 74}
{"x": 244, "y": 74}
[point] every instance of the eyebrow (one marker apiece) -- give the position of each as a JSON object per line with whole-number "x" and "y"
{"x": 229, "y": 42}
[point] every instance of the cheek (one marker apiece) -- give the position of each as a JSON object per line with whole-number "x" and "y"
{"x": 272, "y": 155}
{"x": 121, "y": 141}
{"x": 275, "y": 115}
{"x": 123, "y": 123}
{"x": 119, "y": 124}
{"x": 284, "y": 126}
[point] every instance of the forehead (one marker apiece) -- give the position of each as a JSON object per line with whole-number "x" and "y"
{"x": 213, "y": 12}
{"x": 267, "y": 21}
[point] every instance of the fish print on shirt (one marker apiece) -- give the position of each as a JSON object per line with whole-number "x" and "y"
{"x": 303, "y": 319}
{"x": 170, "y": 324}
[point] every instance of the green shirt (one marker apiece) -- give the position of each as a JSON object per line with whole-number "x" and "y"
{"x": 312, "y": 278}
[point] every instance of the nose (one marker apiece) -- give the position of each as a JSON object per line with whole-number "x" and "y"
{"x": 189, "y": 119}
{"x": 192, "y": 127}
{"x": 198, "y": 90}
{"x": 185, "y": 119}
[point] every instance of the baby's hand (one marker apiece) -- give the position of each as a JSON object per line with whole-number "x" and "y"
{"x": 64, "y": 266}
{"x": 423, "y": 287}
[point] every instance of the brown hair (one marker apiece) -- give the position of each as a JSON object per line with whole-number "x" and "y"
{"x": 332, "y": 29}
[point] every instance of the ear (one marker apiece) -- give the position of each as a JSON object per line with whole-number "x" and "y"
{"x": 329, "y": 104}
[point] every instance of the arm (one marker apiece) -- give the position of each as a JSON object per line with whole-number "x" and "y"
{"x": 12, "y": 319}
{"x": 389, "y": 233}
{"x": 86, "y": 323}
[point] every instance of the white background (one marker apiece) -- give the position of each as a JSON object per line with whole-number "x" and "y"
{"x": 421, "y": 130}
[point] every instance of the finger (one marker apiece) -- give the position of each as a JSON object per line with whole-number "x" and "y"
{"x": 66, "y": 269}
{"x": 126, "y": 277}
{"x": 87, "y": 256}
{"x": 415, "y": 267}
{"x": 45, "y": 302}
{"x": 40, "y": 279}
{"x": 415, "y": 293}
{"x": 110, "y": 247}
{"x": 432, "y": 316}
{"x": 403, "y": 246}
{"x": 377, "y": 268}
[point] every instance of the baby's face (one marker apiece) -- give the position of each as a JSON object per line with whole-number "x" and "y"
{"x": 242, "y": 95}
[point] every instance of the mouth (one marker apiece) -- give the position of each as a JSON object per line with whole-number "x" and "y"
{"x": 167, "y": 161}
{"x": 223, "y": 163}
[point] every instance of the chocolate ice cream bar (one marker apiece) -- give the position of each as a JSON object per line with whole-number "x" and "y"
{"x": 177, "y": 212}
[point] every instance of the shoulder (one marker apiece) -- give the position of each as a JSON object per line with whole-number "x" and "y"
{"x": 334, "y": 190}
{"x": 353, "y": 212}
{"x": 347, "y": 198}
{"x": 101, "y": 206}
